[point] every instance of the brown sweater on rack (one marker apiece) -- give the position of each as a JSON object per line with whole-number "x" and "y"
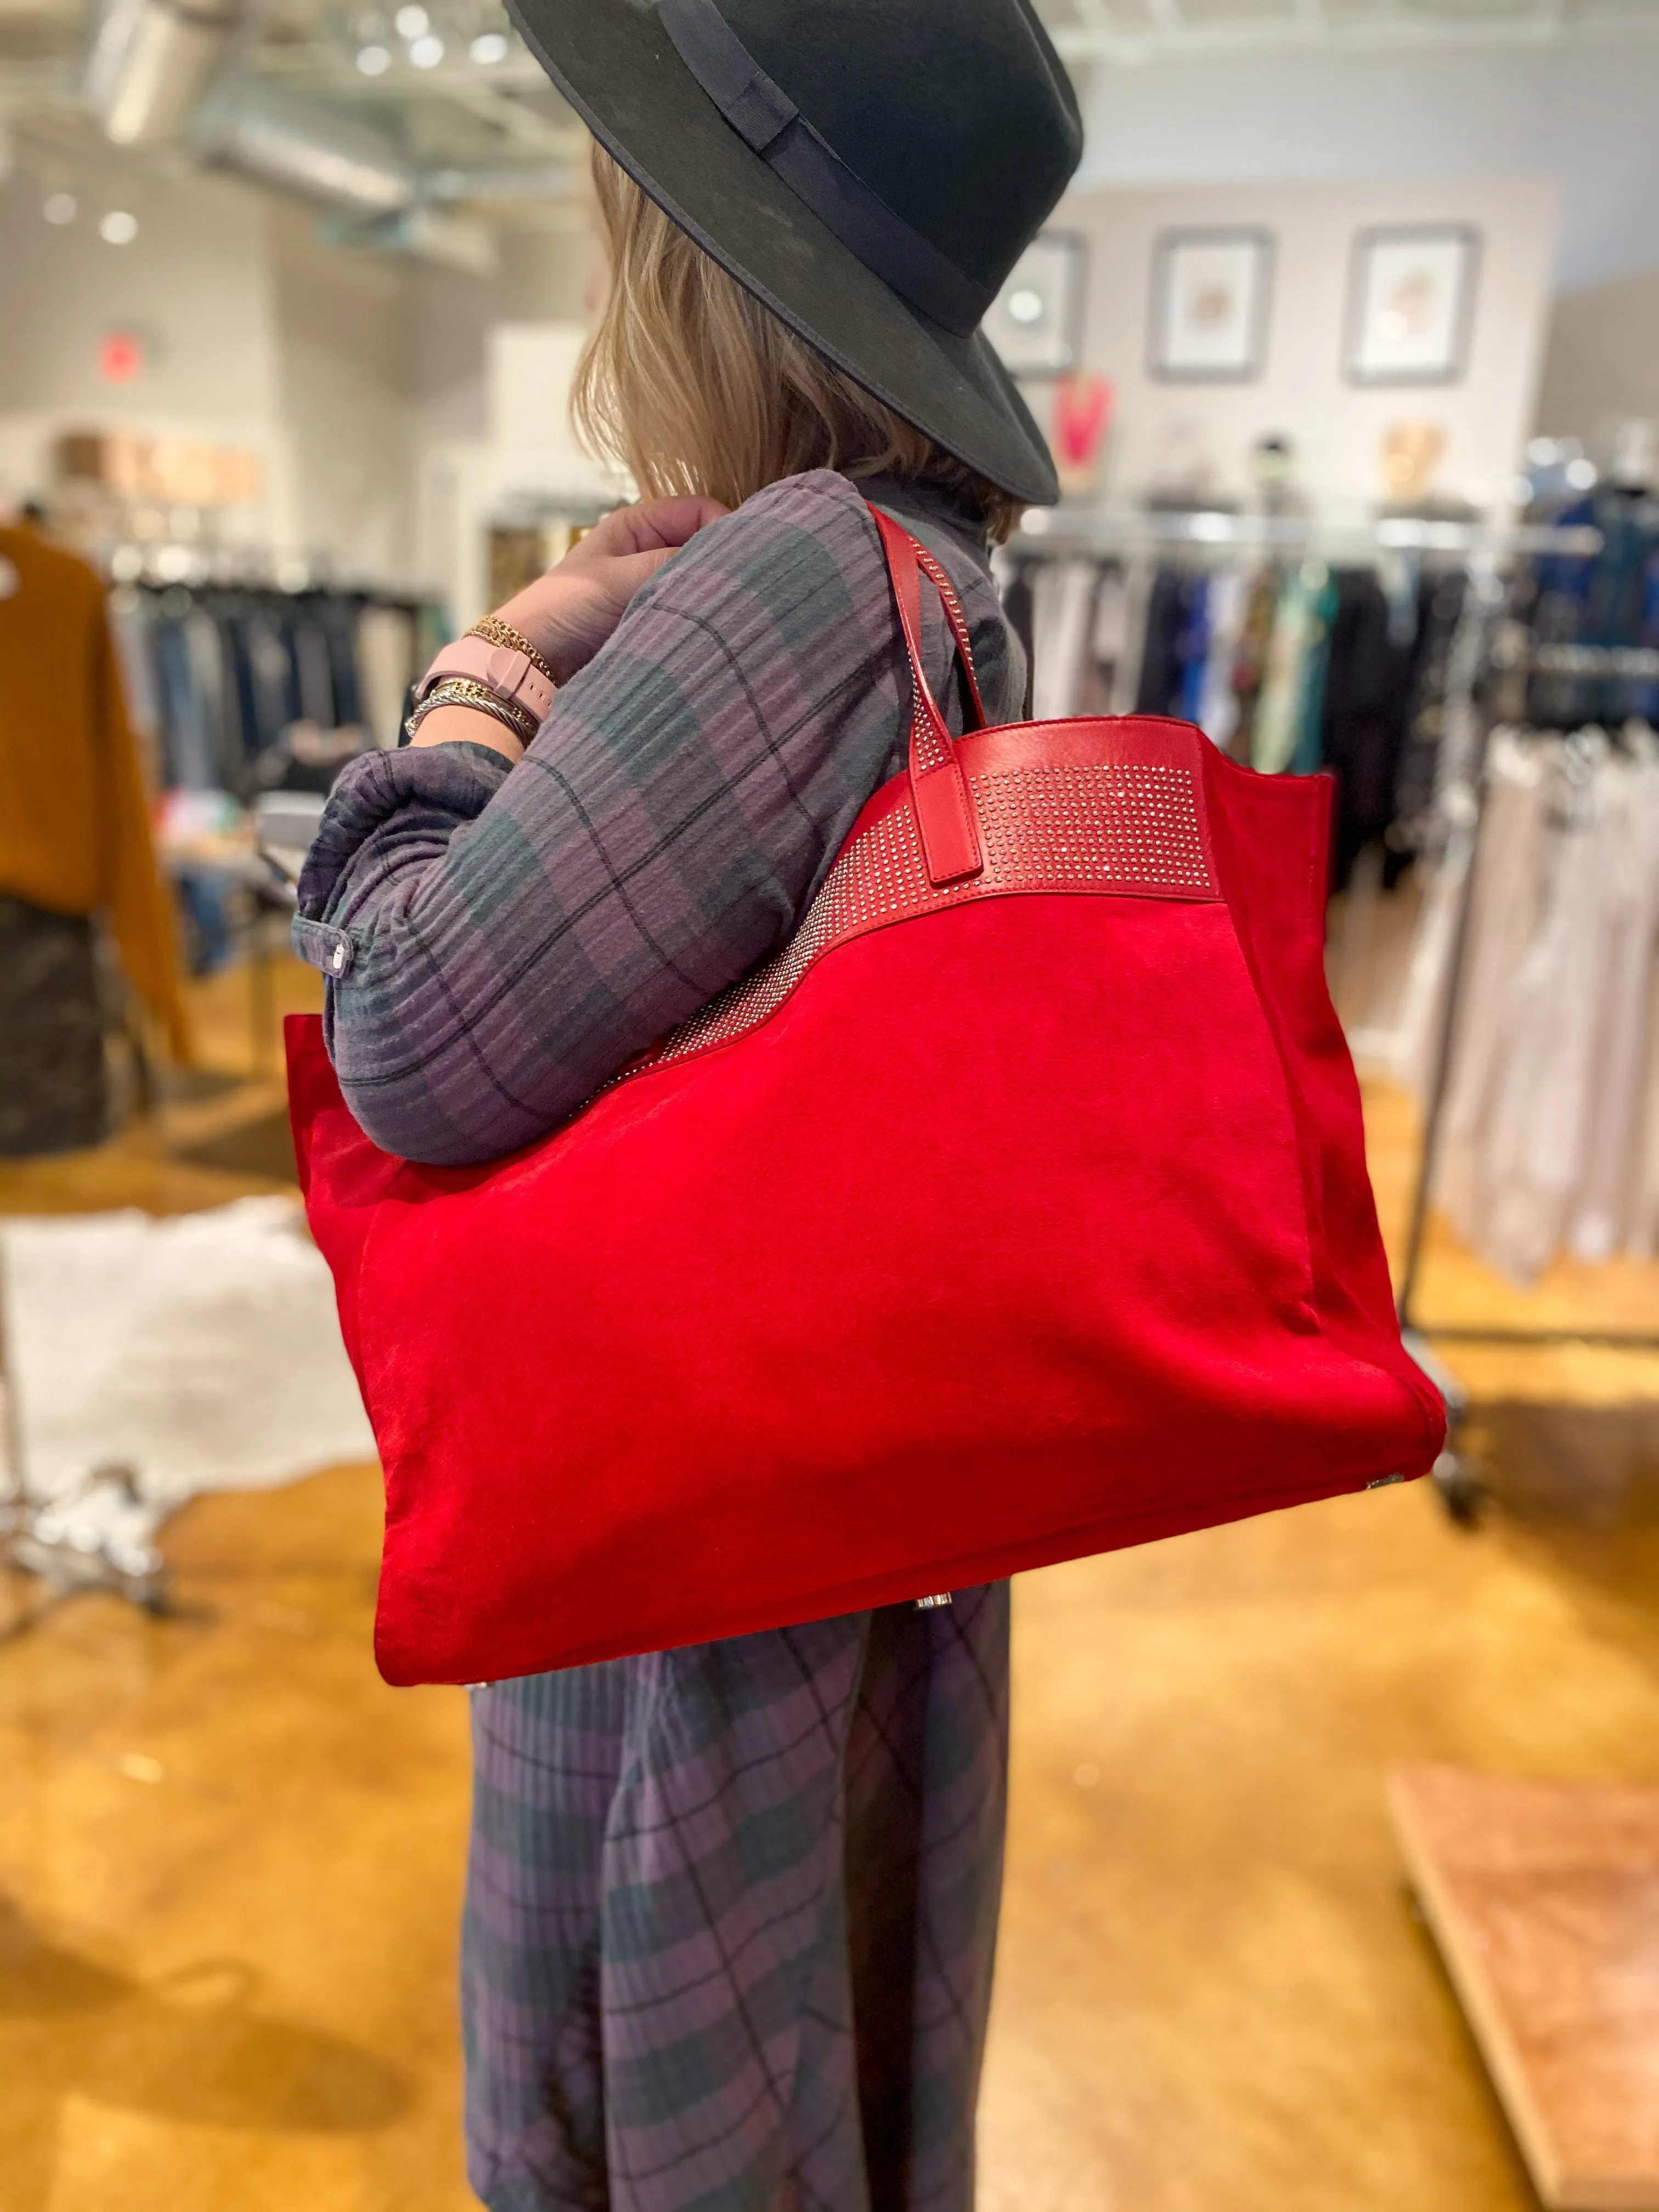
{"x": 75, "y": 833}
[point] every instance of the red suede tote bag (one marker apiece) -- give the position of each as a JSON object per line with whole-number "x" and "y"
{"x": 1018, "y": 1209}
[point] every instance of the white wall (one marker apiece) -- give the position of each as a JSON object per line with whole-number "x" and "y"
{"x": 1337, "y": 427}
{"x": 341, "y": 327}
{"x": 342, "y": 369}
{"x": 543, "y": 276}
{"x": 1584, "y": 113}
{"x": 1602, "y": 361}
{"x": 192, "y": 285}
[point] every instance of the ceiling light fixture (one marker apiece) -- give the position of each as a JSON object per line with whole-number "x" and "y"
{"x": 373, "y": 61}
{"x": 59, "y": 206}
{"x": 118, "y": 228}
{"x": 427, "y": 52}
{"x": 487, "y": 48}
{"x": 412, "y": 22}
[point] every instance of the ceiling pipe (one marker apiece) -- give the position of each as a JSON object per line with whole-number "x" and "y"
{"x": 505, "y": 180}
{"x": 422, "y": 233}
{"x": 378, "y": 202}
{"x": 312, "y": 151}
{"x": 149, "y": 62}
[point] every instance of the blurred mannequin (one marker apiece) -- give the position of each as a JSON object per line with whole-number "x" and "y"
{"x": 75, "y": 841}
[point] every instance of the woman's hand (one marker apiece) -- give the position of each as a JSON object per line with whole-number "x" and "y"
{"x": 568, "y": 613}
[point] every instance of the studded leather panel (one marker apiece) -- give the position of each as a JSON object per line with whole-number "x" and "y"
{"x": 1129, "y": 827}
{"x": 1115, "y": 825}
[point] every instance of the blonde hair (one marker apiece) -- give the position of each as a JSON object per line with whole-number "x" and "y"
{"x": 697, "y": 387}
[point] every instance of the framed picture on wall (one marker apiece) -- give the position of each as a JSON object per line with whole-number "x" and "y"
{"x": 1411, "y": 304}
{"x": 1035, "y": 322}
{"x": 1211, "y": 291}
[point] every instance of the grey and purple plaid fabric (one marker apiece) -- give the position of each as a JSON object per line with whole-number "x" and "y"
{"x": 510, "y": 938}
{"x": 730, "y": 1922}
{"x": 731, "y": 1910}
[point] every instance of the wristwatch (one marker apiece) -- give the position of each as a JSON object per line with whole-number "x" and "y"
{"x": 508, "y": 671}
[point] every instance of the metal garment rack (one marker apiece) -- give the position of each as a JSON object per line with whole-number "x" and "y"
{"x": 63, "y": 1552}
{"x": 1103, "y": 533}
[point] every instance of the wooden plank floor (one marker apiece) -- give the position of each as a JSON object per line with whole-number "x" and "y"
{"x": 230, "y": 1858}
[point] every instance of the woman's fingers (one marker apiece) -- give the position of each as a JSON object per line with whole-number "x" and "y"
{"x": 568, "y": 613}
{"x": 657, "y": 523}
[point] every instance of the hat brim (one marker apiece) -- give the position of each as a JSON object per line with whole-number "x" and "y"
{"x": 618, "y": 67}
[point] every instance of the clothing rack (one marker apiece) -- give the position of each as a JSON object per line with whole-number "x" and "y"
{"x": 220, "y": 670}
{"x": 1454, "y": 568}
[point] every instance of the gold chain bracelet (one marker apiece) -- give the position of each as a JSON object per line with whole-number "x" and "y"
{"x": 495, "y": 631}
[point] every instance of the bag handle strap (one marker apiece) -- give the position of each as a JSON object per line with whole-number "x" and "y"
{"x": 938, "y": 788}
{"x": 934, "y": 571}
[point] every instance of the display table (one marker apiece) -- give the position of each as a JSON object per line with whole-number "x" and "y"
{"x": 1544, "y": 1899}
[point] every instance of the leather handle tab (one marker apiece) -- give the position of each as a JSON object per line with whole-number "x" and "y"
{"x": 938, "y": 789}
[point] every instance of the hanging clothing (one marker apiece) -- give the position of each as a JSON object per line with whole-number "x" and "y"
{"x": 1250, "y": 658}
{"x": 228, "y": 673}
{"x": 51, "y": 1032}
{"x": 315, "y": 670}
{"x": 1607, "y": 1207}
{"x": 1549, "y": 1105}
{"x": 1168, "y": 616}
{"x": 190, "y": 753}
{"x": 1506, "y": 902}
{"x": 75, "y": 835}
{"x": 1063, "y": 608}
{"x": 386, "y": 663}
{"x": 1192, "y": 648}
{"x": 1138, "y": 581}
{"x": 1610, "y": 598}
{"x": 1283, "y": 736}
{"x": 1217, "y": 714}
{"x": 1369, "y": 680}
{"x": 1540, "y": 1118}
{"x": 1441, "y": 609}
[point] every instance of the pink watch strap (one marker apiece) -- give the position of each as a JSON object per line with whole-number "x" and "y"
{"x": 509, "y": 674}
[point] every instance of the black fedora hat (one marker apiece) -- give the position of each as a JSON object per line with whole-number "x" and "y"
{"x": 870, "y": 169}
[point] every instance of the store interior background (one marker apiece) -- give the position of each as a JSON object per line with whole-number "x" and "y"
{"x": 230, "y": 1858}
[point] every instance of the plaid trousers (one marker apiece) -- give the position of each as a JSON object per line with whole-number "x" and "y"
{"x": 731, "y": 1917}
